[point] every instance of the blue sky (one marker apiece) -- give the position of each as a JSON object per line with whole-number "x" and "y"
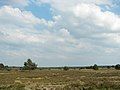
{"x": 60, "y": 33}
{"x": 40, "y": 11}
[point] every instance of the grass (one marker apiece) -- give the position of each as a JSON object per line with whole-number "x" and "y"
{"x": 84, "y": 79}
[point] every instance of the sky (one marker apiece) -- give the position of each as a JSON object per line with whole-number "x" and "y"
{"x": 60, "y": 32}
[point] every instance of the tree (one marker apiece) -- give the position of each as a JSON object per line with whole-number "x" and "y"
{"x": 29, "y": 65}
{"x": 108, "y": 67}
{"x": 2, "y": 66}
{"x": 117, "y": 66}
{"x": 95, "y": 67}
{"x": 65, "y": 68}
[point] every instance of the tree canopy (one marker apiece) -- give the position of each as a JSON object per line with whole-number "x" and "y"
{"x": 95, "y": 67}
{"x": 29, "y": 65}
{"x": 117, "y": 67}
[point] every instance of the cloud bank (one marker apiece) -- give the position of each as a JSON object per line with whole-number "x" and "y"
{"x": 81, "y": 32}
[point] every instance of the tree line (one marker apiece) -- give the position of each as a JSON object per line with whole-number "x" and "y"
{"x": 30, "y": 65}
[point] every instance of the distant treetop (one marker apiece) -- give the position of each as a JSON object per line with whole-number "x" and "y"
{"x": 29, "y": 65}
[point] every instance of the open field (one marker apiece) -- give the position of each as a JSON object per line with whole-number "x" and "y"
{"x": 84, "y": 79}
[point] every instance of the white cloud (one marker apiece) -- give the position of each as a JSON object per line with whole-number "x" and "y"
{"x": 112, "y": 37}
{"x": 93, "y": 14}
{"x": 68, "y": 4}
{"x": 79, "y": 28}
{"x": 16, "y": 3}
{"x": 109, "y": 50}
{"x": 23, "y": 27}
{"x": 23, "y": 18}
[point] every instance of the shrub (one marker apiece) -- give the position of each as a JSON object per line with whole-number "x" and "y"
{"x": 2, "y": 66}
{"x": 29, "y": 65}
{"x": 108, "y": 67}
{"x": 117, "y": 67}
{"x": 65, "y": 68}
{"x": 95, "y": 67}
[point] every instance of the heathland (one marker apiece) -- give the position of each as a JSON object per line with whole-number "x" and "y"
{"x": 59, "y": 79}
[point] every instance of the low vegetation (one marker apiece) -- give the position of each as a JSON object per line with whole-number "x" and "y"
{"x": 55, "y": 79}
{"x": 31, "y": 77}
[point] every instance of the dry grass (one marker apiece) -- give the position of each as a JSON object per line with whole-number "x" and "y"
{"x": 60, "y": 80}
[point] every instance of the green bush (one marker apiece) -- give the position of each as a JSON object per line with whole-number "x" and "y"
{"x": 95, "y": 67}
{"x": 65, "y": 68}
{"x": 29, "y": 65}
{"x": 117, "y": 67}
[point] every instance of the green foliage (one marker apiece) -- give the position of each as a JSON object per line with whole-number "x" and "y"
{"x": 2, "y": 66}
{"x": 108, "y": 67}
{"x": 29, "y": 65}
{"x": 65, "y": 68}
{"x": 95, "y": 67}
{"x": 117, "y": 67}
